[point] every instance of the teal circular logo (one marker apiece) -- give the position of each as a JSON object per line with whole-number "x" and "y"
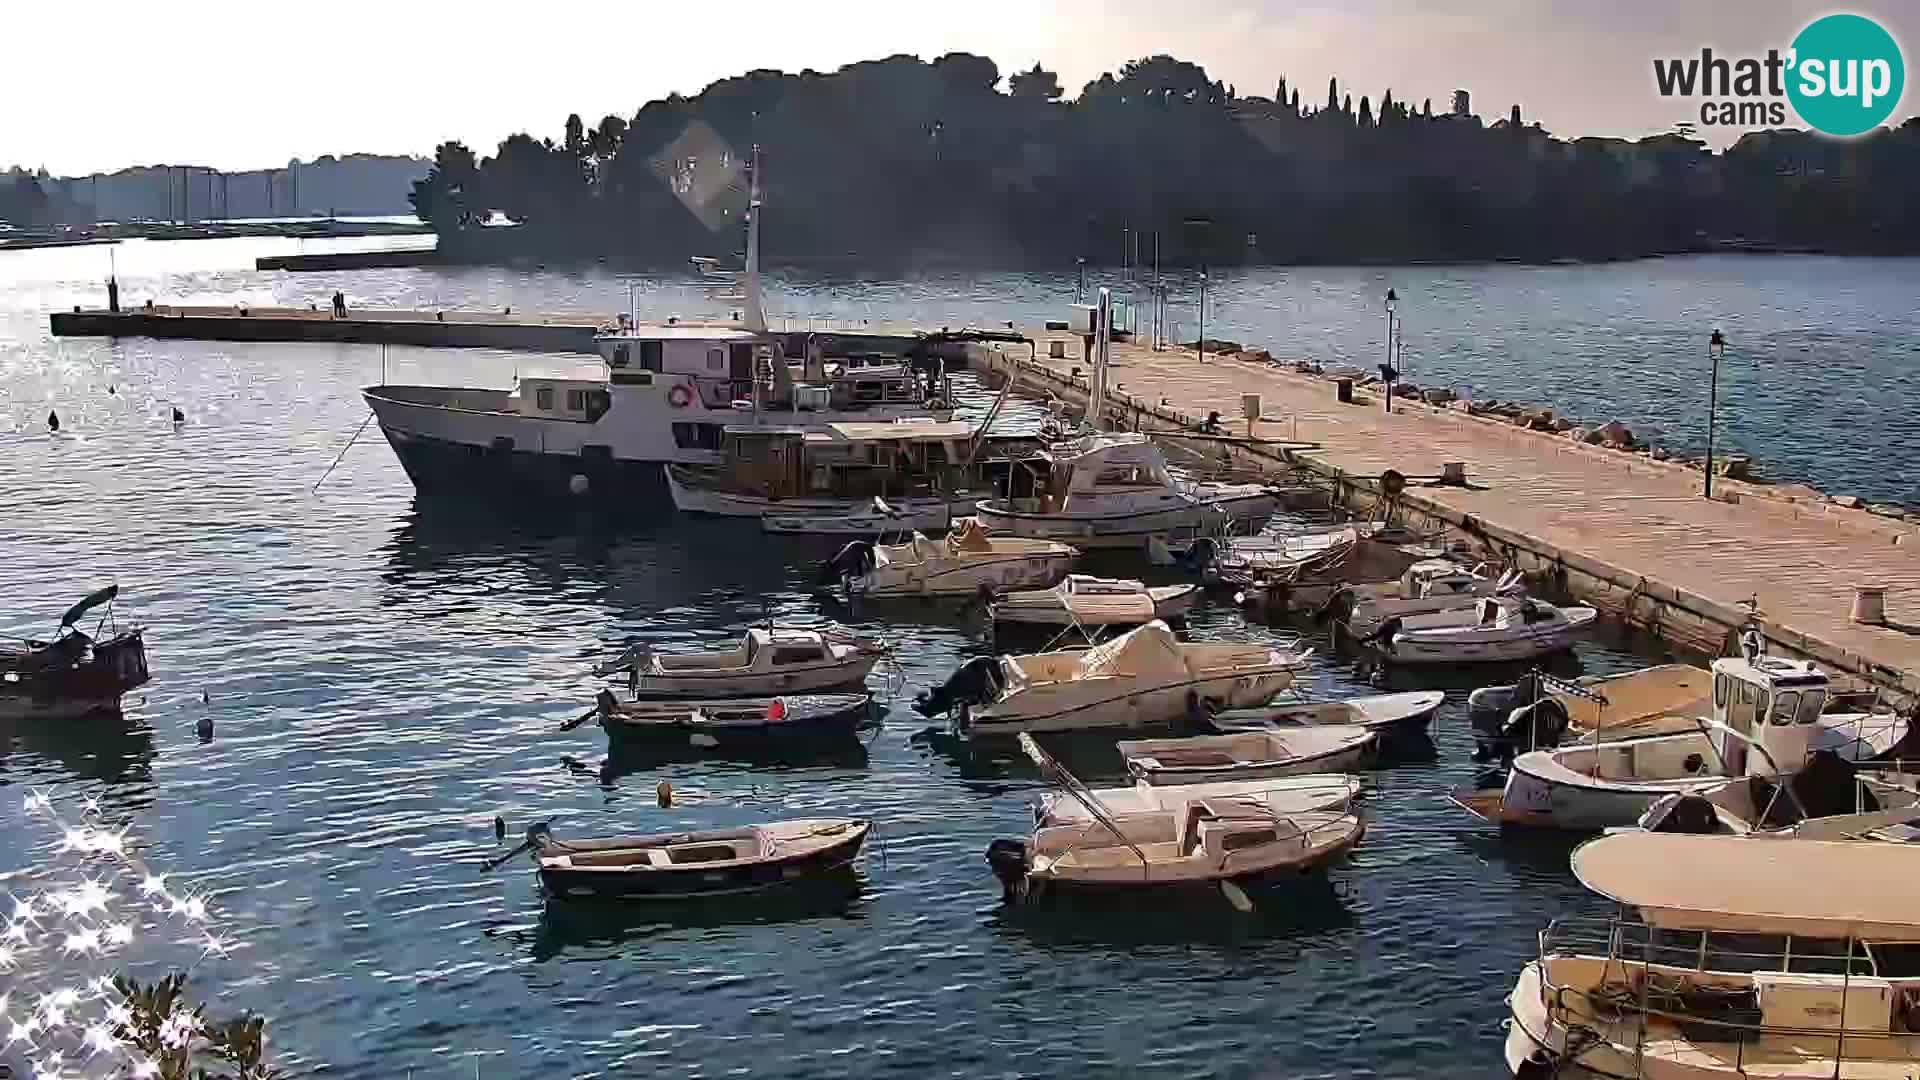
{"x": 1846, "y": 74}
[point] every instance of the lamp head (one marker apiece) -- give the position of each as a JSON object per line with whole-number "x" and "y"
{"x": 1391, "y": 300}
{"x": 1717, "y": 345}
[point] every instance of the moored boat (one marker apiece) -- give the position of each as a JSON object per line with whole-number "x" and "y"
{"x": 1115, "y": 490}
{"x": 1789, "y": 959}
{"x": 733, "y": 722}
{"x": 1084, "y": 600}
{"x": 691, "y": 865}
{"x": 1279, "y": 794}
{"x": 75, "y": 673}
{"x": 1389, "y": 715}
{"x": 767, "y": 661}
{"x": 1492, "y": 629}
{"x": 1768, "y": 720}
{"x": 1539, "y": 710}
{"x": 1222, "y": 844}
{"x": 1143, "y": 678}
{"x": 1244, "y": 755}
{"x": 968, "y": 560}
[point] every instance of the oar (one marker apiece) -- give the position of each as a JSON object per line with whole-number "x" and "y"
{"x": 491, "y": 864}
{"x": 581, "y": 719}
{"x": 1236, "y": 896}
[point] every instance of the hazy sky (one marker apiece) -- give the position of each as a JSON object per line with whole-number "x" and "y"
{"x": 245, "y": 85}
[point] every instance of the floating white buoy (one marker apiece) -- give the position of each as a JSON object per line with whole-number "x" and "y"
{"x": 578, "y": 484}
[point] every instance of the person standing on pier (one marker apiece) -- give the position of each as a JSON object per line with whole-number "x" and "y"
{"x": 339, "y": 304}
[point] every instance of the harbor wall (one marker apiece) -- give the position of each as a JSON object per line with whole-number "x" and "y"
{"x": 1636, "y": 597}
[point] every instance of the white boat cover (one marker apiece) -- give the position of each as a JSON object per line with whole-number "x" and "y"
{"x": 1148, "y": 652}
{"x": 1756, "y": 885}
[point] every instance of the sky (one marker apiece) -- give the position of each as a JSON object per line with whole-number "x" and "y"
{"x": 249, "y": 85}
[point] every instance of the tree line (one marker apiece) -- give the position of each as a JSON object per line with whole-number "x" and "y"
{"x": 900, "y": 158}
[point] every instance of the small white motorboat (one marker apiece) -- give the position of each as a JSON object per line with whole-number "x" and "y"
{"x": 695, "y": 865}
{"x": 1246, "y": 755}
{"x": 1217, "y": 843}
{"x": 1427, "y": 586}
{"x": 1146, "y": 677}
{"x": 730, "y": 723}
{"x": 1539, "y": 710}
{"x": 1390, "y": 715}
{"x": 1280, "y": 794}
{"x": 767, "y": 662}
{"x": 1082, "y": 600}
{"x": 1491, "y": 629}
{"x": 968, "y": 560}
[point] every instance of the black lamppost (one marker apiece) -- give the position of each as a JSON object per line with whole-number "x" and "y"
{"x": 1080, "y": 292}
{"x": 1201, "y": 345}
{"x": 1716, "y": 348}
{"x": 1386, "y": 370}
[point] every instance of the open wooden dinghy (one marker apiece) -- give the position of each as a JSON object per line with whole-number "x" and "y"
{"x": 1213, "y": 842}
{"x": 684, "y": 865}
{"x": 733, "y": 721}
{"x": 1401, "y": 714}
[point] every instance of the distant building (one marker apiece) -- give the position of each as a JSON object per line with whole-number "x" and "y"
{"x": 1462, "y": 104}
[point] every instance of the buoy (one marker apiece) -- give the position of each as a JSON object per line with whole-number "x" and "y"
{"x": 205, "y": 698}
{"x": 53, "y": 420}
{"x": 577, "y": 484}
{"x": 664, "y": 792}
{"x": 205, "y": 728}
{"x": 499, "y": 827}
{"x": 178, "y": 416}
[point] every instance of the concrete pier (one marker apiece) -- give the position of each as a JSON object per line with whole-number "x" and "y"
{"x": 1627, "y": 534}
{"x": 373, "y": 326}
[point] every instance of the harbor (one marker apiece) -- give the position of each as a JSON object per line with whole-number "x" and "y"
{"x": 677, "y": 703}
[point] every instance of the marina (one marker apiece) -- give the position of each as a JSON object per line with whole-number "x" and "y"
{"x": 766, "y": 789}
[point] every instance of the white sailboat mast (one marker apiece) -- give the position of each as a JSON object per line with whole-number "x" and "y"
{"x": 754, "y": 314}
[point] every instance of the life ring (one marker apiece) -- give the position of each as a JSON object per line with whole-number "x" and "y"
{"x": 680, "y": 397}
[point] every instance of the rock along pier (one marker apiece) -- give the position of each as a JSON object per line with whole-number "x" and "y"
{"x": 1629, "y": 535}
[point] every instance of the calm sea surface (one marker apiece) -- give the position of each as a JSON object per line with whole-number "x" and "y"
{"x": 385, "y": 676}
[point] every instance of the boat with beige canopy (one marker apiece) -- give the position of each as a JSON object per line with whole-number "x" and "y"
{"x": 1083, "y": 600}
{"x": 1731, "y": 956}
{"x": 1146, "y": 677}
{"x": 966, "y": 561}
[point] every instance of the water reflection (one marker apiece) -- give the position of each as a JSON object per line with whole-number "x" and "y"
{"x": 605, "y": 929}
{"x": 104, "y": 746}
{"x": 1288, "y": 908}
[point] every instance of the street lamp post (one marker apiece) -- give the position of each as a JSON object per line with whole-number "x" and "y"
{"x": 1080, "y": 291}
{"x": 1200, "y": 346}
{"x": 1717, "y": 349}
{"x": 1386, "y": 370}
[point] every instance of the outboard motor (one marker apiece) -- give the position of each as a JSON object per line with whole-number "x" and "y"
{"x": 1201, "y": 553}
{"x": 1511, "y": 720}
{"x": 975, "y": 682}
{"x": 1682, "y": 813}
{"x": 1008, "y": 858}
{"x": 854, "y": 560}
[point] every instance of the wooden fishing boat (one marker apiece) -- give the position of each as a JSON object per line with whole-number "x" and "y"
{"x": 1389, "y": 715}
{"x": 76, "y": 673}
{"x": 1217, "y": 843}
{"x": 689, "y": 865}
{"x": 1082, "y": 600}
{"x": 767, "y": 662}
{"x": 1251, "y": 754}
{"x": 1539, "y": 710}
{"x": 732, "y": 722}
{"x": 1280, "y": 795}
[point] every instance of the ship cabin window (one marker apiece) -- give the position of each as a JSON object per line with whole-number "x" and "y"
{"x": 1812, "y": 704}
{"x": 1126, "y": 476}
{"x": 740, "y": 361}
{"x": 650, "y": 352}
{"x": 622, "y": 355}
{"x": 543, "y": 399}
{"x": 697, "y": 436}
{"x": 716, "y": 359}
{"x": 1786, "y": 704}
{"x": 1744, "y": 708}
{"x": 576, "y": 401}
{"x": 1720, "y": 686}
{"x": 797, "y": 654}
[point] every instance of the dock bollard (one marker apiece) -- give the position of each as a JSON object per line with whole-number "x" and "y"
{"x": 1870, "y": 605}
{"x": 1343, "y": 391}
